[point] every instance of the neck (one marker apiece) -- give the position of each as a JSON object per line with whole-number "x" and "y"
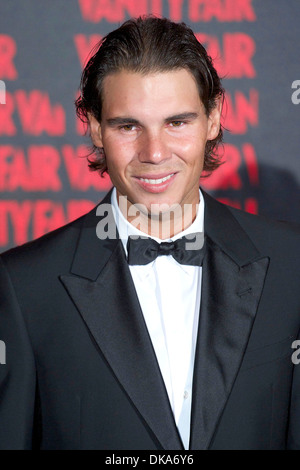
{"x": 159, "y": 224}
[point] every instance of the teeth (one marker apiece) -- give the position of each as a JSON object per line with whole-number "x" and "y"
{"x": 158, "y": 181}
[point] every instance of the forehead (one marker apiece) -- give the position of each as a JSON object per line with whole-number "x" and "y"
{"x": 128, "y": 92}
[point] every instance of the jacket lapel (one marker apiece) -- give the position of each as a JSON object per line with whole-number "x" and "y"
{"x": 232, "y": 281}
{"x": 103, "y": 291}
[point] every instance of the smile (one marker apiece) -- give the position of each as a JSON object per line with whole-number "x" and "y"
{"x": 156, "y": 185}
{"x": 156, "y": 181}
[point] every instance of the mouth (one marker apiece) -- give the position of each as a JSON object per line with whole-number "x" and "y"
{"x": 156, "y": 184}
{"x": 157, "y": 180}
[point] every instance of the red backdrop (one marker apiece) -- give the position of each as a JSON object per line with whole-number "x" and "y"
{"x": 44, "y": 180}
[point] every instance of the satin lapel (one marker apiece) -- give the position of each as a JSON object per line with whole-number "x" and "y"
{"x": 110, "y": 309}
{"x": 233, "y": 275}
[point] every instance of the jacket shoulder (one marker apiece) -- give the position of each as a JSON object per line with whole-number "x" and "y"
{"x": 56, "y": 246}
{"x": 253, "y": 222}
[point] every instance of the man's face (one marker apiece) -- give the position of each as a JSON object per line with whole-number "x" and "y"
{"x": 153, "y": 131}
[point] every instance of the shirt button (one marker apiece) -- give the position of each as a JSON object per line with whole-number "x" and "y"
{"x": 185, "y": 395}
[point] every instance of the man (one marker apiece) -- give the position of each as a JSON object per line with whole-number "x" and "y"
{"x": 122, "y": 334}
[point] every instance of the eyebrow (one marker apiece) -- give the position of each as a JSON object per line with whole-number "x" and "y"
{"x": 119, "y": 121}
{"x": 182, "y": 117}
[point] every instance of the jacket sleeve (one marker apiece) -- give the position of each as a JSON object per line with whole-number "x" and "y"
{"x": 17, "y": 371}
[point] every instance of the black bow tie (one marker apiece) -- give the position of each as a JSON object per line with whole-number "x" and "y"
{"x": 187, "y": 250}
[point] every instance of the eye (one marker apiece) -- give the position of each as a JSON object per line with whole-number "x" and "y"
{"x": 128, "y": 127}
{"x": 177, "y": 123}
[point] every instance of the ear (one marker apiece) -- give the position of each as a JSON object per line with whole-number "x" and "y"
{"x": 95, "y": 128}
{"x": 214, "y": 120}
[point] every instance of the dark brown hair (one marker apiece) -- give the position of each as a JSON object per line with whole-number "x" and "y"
{"x": 143, "y": 45}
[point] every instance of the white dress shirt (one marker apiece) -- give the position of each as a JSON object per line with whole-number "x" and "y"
{"x": 169, "y": 295}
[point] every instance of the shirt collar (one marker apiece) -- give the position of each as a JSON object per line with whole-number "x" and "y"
{"x": 126, "y": 229}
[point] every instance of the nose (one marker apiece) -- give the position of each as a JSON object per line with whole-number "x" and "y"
{"x": 153, "y": 148}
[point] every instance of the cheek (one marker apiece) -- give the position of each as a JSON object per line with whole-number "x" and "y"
{"x": 194, "y": 140}
{"x": 118, "y": 164}
{"x": 118, "y": 152}
{"x": 192, "y": 149}
{"x": 114, "y": 157}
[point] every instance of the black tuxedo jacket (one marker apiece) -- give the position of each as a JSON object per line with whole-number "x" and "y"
{"x": 81, "y": 372}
